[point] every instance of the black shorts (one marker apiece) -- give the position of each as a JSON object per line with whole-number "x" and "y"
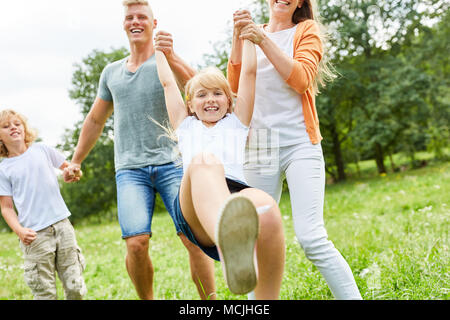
{"x": 234, "y": 186}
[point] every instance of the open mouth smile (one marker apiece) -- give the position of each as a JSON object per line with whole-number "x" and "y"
{"x": 136, "y": 30}
{"x": 14, "y": 134}
{"x": 283, "y": 2}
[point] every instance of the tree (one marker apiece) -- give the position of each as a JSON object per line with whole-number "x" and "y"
{"x": 368, "y": 38}
{"x": 95, "y": 193}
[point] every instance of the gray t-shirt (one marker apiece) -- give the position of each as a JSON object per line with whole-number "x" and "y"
{"x": 137, "y": 97}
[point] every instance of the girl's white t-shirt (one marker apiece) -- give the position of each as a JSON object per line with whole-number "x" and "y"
{"x": 31, "y": 181}
{"x": 226, "y": 140}
{"x": 278, "y": 115}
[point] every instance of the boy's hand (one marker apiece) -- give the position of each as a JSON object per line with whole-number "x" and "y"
{"x": 27, "y": 236}
{"x": 72, "y": 173}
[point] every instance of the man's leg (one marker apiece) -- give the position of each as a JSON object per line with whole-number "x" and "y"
{"x": 202, "y": 267}
{"x": 139, "y": 266}
{"x": 135, "y": 203}
{"x": 202, "y": 270}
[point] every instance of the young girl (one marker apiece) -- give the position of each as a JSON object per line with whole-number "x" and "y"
{"x": 216, "y": 209}
{"x": 291, "y": 65}
{"x": 47, "y": 238}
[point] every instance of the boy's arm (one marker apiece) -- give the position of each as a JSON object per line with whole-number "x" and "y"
{"x": 174, "y": 101}
{"x": 9, "y": 214}
{"x": 246, "y": 92}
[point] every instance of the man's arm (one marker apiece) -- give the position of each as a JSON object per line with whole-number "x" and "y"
{"x": 9, "y": 214}
{"x": 182, "y": 71}
{"x": 90, "y": 132}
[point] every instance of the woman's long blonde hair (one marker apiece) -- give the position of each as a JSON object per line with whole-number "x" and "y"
{"x": 30, "y": 134}
{"x": 326, "y": 71}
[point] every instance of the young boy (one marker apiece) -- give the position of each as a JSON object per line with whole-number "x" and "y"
{"x": 47, "y": 238}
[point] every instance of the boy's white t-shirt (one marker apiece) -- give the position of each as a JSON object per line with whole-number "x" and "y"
{"x": 226, "y": 140}
{"x": 31, "y": 181}
{"x": 278, "y": 115}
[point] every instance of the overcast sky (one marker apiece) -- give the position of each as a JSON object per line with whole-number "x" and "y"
{"x": 41, "y": 40}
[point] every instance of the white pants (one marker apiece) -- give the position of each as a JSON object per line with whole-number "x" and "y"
{"x": 303, "y": 167}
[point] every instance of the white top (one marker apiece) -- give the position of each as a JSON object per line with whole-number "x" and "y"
{"x": 278, "y": 115}
{"x": 31, "y": 181}
{"x": 226, "y": 140}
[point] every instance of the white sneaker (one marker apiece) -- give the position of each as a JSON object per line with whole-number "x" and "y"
{"x": 236, "y": 234}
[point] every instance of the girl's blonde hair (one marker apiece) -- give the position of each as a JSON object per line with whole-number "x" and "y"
{"x": 326, "y": 71}
{"x": 30, "y": 134}
{"x": 209, "y": 78}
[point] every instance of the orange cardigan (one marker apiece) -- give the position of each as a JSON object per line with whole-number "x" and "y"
{"x": 307, "y": 54}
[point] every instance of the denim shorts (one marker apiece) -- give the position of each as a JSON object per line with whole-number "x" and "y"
{"x": 181, "y": 223}
{"x": 136, "y": 193}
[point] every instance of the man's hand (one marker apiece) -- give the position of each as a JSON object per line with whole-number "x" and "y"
{"x": 164, "y": 43}
{"x": 72, "y": 173}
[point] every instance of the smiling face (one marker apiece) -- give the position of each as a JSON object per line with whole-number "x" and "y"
{"x": 209, "y": 96}
{"x": 12, "y": 131}
{"x": 284, "y": 7}
{"x": 139, "y": 23}
{"x": 209, "y": 104}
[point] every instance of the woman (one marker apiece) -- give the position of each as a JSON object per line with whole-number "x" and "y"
{"x": 285, "y": 138}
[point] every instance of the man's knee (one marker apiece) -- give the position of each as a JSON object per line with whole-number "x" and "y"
{"x": 138, "y": 246}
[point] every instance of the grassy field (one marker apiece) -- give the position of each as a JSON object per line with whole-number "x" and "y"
{"x": 392, "y": 230}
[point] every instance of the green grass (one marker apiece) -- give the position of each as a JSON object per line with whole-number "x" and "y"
{"x": 392, "y": 230}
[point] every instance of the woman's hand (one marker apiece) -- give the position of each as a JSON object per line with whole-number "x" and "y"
{"x": 253, "y": 33}
{"x": 241, "y": 18}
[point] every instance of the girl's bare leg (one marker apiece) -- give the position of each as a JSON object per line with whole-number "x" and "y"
{"x": 270, "y": 247}
{"x": 202, "y": 193}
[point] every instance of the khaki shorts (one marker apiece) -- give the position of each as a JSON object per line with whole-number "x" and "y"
{"x": 54, "y": 249}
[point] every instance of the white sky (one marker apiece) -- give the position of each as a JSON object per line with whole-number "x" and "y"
{"x": 41, "y": 40}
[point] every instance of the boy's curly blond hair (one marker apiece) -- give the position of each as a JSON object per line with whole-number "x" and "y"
{"x": 30, "y": 134}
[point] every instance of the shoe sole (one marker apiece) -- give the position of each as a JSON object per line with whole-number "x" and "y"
{"x": 236, "y": 234}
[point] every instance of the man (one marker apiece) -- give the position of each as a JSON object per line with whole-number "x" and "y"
{"x": 143, "y": 157}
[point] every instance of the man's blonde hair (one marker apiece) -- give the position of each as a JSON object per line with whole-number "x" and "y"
{"x": 127, "y": 3}
{"x": 30, "y": 134}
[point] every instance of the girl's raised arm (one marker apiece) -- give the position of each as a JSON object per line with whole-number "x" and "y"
{"x": 246, "y": 92}
{"x": 174, "y": 101}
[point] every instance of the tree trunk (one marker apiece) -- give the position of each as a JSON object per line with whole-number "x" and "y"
{"x": 337, "y": 152}
{"x": 379, "y": 158}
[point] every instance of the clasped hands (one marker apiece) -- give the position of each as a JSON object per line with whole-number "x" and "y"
{"x": 245, "y": 28}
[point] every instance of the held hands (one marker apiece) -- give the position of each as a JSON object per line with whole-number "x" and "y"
{"x": 27, "y": 236}
{"x": 164, "y": 43}
{"x": 245, "y": 28}
{"x": 241, "y": 18}
{"x": 72, "y": 173}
